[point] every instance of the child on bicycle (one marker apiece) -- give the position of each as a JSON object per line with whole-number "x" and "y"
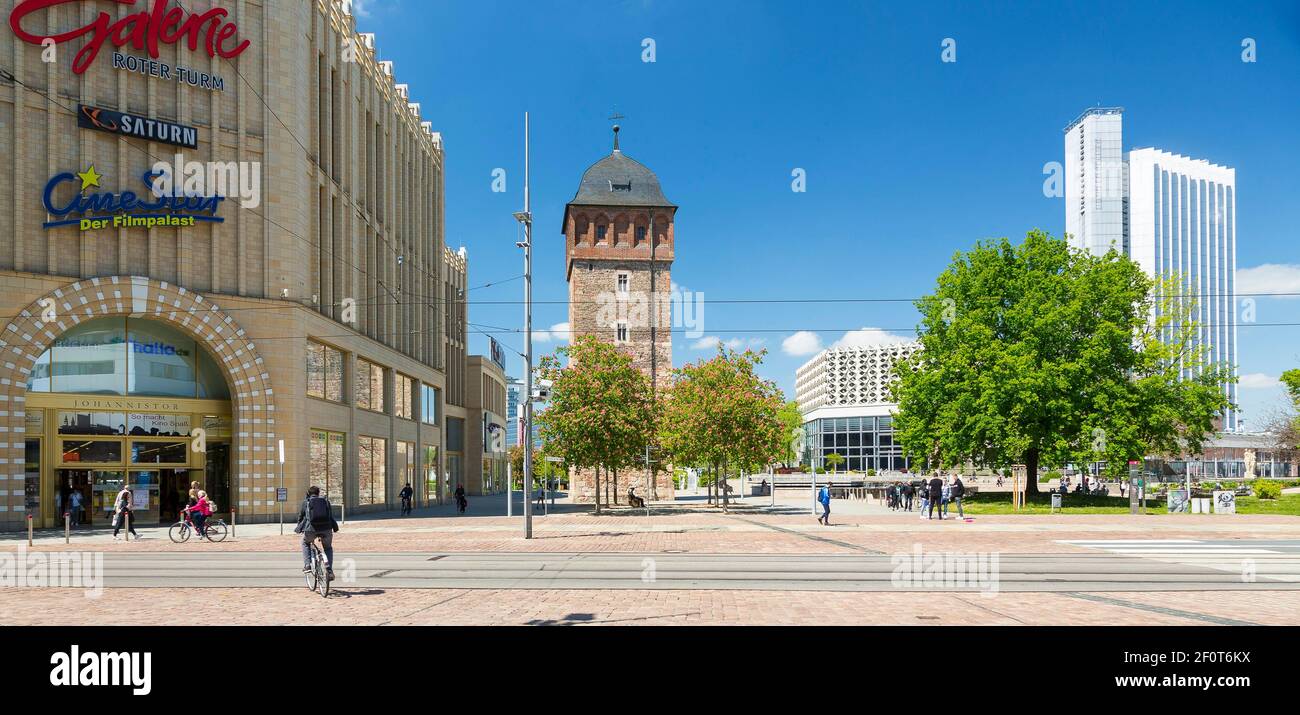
{"x": 199, "y": 512}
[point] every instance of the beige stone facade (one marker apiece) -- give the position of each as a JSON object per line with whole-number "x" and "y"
{"x": 339, "y": 244}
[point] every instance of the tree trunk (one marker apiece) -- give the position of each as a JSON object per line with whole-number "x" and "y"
{"x": 615, "y": 487}
{"x": 1031, "y": 472}
{"x": 726, "y": 500}
{"x": 597, "y": 490}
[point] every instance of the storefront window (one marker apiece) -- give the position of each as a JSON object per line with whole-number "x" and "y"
{"x": 431, "y": 491}
{"x": 326, "y": 455}
{"x": 32, "y": 475}
{"x": 404, "y": 396}
{"x": 159, "y": 452}
{"x": 96, "y": 423}
{"x": 324, "y": 372}
{"x": 428, "y": 404}
{"x": 372, "y": 463}
{"x": 405, "y": 467}
{"x": 92, "y": 451}
{"x": 128, "y": 356}
{"x": 370, "y": 386}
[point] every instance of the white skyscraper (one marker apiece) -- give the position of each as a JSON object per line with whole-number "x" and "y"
{"x": 1183, "y": 222}
{"x": 1094, "y": 180}
{"x": 1172, "y": 215}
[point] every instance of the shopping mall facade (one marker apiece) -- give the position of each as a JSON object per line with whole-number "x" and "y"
{"x": 154, "y": 337}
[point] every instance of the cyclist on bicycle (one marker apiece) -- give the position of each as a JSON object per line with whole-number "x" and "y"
{"x": 406, "y": 498}
{"x": 316, "y": 521}
{"x": 199, "y": 513}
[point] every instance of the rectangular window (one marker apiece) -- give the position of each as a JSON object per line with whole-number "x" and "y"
{"x": 431, "y": 474}
{"x": 159, "y": 452}
{"x": 324, "y": 372}
{"x": 370, "y": 386}
{"x": 620, "y": 332}
{"x": 89, "y": 450}
{"x": 327, "y": 463}
{"x": 372, "y": 470}
{"x": 623, "y": 282}
{"x": 429, "y": 404}
{"x": 600, "y": 233}
{"x": 640, "y": 234}
{"x": 404, "y": 396}
{"x": 405, "y": 466}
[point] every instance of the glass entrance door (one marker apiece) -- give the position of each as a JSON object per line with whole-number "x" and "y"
{"x": 145, "y": 495}
{"x": 105, "y": 485}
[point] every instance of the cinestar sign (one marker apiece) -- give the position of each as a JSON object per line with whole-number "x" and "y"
{"x": 164, "y": 24}
{"x": 130, "y": 125}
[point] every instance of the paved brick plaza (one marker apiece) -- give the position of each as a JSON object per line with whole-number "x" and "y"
{"x": 675, "y": 530}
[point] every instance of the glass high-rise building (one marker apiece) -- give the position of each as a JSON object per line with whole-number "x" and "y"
{"x": 1173, "y": 215}
{"x": 1183, "y": 222}
{"x": 1095, "y": 197}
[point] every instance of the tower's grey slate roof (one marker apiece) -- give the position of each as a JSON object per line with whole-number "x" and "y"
{"x": 619, "y": 180}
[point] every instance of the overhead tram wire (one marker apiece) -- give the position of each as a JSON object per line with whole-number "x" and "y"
{"x": 8, "y": 76}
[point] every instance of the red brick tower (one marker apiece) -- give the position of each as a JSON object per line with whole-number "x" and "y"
{"x": 618, "y": 233}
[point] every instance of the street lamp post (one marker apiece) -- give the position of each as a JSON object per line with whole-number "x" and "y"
{"x": 525, "y": 217}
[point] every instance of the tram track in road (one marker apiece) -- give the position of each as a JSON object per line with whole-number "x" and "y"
{"x": 1054, "y": 572}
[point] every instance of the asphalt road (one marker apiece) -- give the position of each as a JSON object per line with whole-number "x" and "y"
{"x": 1147, "y": 565}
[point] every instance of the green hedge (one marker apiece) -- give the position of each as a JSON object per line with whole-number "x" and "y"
{"x": 1267, "y": 488}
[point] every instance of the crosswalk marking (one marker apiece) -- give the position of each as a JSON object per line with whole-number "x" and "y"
{"x": 1281, "y": 563}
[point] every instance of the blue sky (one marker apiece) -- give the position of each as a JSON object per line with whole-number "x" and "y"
{"x": 907, "y": 158}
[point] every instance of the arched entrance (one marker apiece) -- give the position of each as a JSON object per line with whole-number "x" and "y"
{"x": 106, "y": 381}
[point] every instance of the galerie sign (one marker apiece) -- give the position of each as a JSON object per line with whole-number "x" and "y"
{"x": 145, "y": 31}
{"x": 137, "y": 127}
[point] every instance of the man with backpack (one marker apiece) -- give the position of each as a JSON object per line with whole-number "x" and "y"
{"x": 316, "y": 521}
{"x": 824, "y": 498}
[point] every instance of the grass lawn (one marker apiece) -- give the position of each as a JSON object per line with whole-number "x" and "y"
{"x": 1000, "y": 503}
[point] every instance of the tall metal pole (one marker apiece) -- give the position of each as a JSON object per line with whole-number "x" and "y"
{"x": 528, "y": 345}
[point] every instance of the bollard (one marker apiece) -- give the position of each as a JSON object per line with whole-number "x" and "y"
{"x": 126, "y": 523}
{"x": 67, "y": 528}
{"x": 29, "y": 528}
{"x": 343, "y": 511}
{"x": 232, "y": 522}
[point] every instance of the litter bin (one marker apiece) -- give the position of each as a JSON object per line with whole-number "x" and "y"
{"x": 1056, "y": 501}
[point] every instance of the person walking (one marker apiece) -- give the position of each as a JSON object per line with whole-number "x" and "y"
{"x": 824, "y": 498}
{"x": 923, "y": 493}
{"x": 123, "y": 515}
{"x": 74, "y": 503}
{"x": 958, "y": 491}
{"x": 461, "y": 502}
{"x": 936, "y": 493}
{"x": 907, "y": 495}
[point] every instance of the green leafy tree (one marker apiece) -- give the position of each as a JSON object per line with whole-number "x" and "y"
{"x": 599, "y": 415}
{"x": 791, "y": 422}
{"x": 720, "y": 413}
{"x": 834, "y": 460}
{"x": 1039, "y": 354}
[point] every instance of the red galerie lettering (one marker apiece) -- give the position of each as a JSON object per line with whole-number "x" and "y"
{"x": 143, "y": 30}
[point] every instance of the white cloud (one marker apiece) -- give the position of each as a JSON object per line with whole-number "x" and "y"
{"x": 361, "y": 8}
{"x": 804, "y": 342}
{"x": 708, "y": 342}
{"x": 1270, "y": 278}
{"x": 1258, "y": 381}
{"x": 868, "y": 336}
{"x": 558, "y": 332}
